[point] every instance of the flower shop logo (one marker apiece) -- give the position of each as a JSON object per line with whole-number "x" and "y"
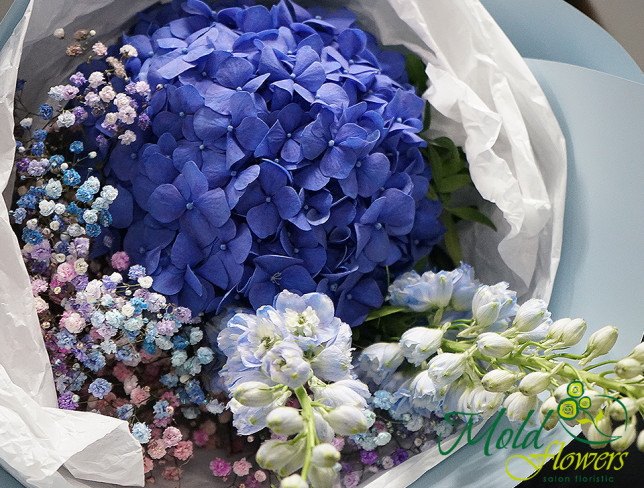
{"x": 576, "y": 407}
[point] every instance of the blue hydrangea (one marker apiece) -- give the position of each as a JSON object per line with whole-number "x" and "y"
{"x": 283, "y": 155}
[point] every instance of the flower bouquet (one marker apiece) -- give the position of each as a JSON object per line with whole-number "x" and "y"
{"x": 242, "y": 237}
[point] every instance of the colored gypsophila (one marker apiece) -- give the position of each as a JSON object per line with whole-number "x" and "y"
{"x": 283, "y": 154}
{"x": 283, "y": 349}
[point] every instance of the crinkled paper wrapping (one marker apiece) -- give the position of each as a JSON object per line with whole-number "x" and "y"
{"x": 485, "y": 99}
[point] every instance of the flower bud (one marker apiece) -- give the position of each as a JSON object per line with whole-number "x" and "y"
{"x": 254, "y": 394}
{"x": 322, "y": 428}
{"x": 561, "y": 392}
{"x": 598, "y": 433}
{"x": 600, "y": 343}
{"x": 519, "y": 406}
{"x": 638, "y": 353}
{"x": 550, "y": 405}
{"x": 447, "y": 367}
{"x": 346, "y": 420}
{"x": 322, "y": 477}
{"x": 294, "y": 481}
{"x": 626, "y": 434}
{"x": 567, "y": 331}
{"x": 59, "y": 33}
{"x": 622, "y": 408}
{"x": 325, "y": 455}
{"x": 530, "y": 315}
{"x": 419, "y": 343}
{"x": 534, "y": 383}
{"x": 494, "y": 345}
{"x": 499, "y": 380}
{"x": 285, "y": 421}
{"x": 628, "y": 368}
{"x": 485, "y": 402}
{"x": 640, "y": 441}
{"x": 282, "y": 457}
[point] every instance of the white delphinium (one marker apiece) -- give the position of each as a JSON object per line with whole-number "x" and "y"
{"x": 599, "y": 343}
{"x": 494, "y": 345}
{"x": 419, "y": 343}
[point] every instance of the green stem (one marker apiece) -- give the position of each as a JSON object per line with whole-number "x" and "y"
{"x": 539, "y": 363}
{"x": 311, "y": 436}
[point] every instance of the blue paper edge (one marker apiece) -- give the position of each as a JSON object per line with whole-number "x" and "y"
{"x": 15, "y": 13}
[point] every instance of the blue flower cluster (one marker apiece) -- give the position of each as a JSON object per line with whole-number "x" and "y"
{"x": 283, "y": 153}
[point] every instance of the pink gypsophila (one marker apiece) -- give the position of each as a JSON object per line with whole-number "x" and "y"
{"x": 183, "y": 450}
{"x": 220, "y": 467}
{"x": 120, "y": 261}
{"x": 172, "y": 473}
{"x": 65, "y": 272}
{"x": 171, "y": 436}
{"x": 241, "y": 467}
{"x": 72, "y": 321}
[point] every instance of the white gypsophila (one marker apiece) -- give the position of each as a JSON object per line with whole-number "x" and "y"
{"x": 81, "y": 266}
{"x": 111, "y": 118}
{"x": 109, "y": 193}
{"x": 59, "y": 209}
{"x": 145, "y": 282}
{"x": 127, "y": 138}
{"x": 54, "y": 225}
{"x": 90, "y": 216}
{"x": 116, "y": 277}
{"x": 122, "y": 100}
{"x": 107, "y": 93}
{"x": 59, "y": 33}
{"x": 75, "y": 230}
{"x": 26, "y": 122}
{"x": 128, "y": 51}
{"x": 127, "y": 115}
{"x": 56, "y": 92}
{"x": 46, "y": 207}
{"x": 142, "y": 88}
{"x": 66, "y": 119}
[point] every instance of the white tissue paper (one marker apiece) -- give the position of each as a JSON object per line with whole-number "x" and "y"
{"x": 485, "y": 98}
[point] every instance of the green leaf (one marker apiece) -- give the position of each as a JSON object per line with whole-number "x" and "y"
{"x": 453, "y": 183}
{"x": 472, "y": 214}
{"x": 416, "y": 71}
{"x": 452, "y": 243}
{"x": 427, "y": 116}
{"x": 384, "y": 311}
